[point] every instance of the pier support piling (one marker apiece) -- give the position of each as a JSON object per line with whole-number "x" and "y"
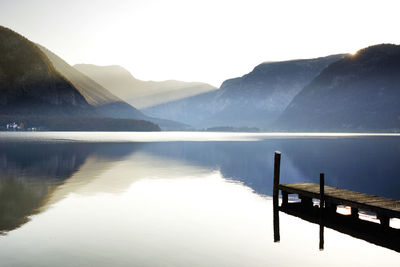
{"x": 277, "y": 170}
{"x": 385, "y": 220}
{"x": 321, "y": 191}
{"x": 306, "y": 202}
{"x": 354, "y": 213}
{"x": 275, "y": 195}
{"x": 285, "y": 198}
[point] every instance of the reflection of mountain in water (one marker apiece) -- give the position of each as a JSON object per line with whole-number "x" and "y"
{"x": 34, "y": 176}
{"x": 28, "y": 173}
{"x": 18, "y": 200}
{"x": 368, "y": 164}
{"x": 37, "y": 160}
{"x": 31, "y": 172}
{"x": 243, "y": 161}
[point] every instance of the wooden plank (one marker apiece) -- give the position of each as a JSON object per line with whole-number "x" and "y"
{"x": 277, "y": 170}
{"x": 338, "y": 196}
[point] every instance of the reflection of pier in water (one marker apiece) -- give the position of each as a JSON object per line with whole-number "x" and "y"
{"x": 369, "y": 231}
{"x": 326, "y": 216}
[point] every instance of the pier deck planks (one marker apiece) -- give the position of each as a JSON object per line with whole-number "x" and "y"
{"x": 380, "y": 205}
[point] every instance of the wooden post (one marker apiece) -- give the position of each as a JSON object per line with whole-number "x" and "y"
{"x": 385, "y": 220}
{"x": 277, "y": 236}
{"x": 321, "y": 191}
{"x": 321, "y": 210}
{"x": 330, "y": 207}
{"x": 354, "y": 213}
{"x": 275, "y": 195}
{"x": 277, "y": 170}
{"x": 306, "y": 202}
{"x": 321, "y": 236}
{"x": 285, "y": 198}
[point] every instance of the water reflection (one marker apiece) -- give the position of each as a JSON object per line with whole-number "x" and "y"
{"x": 179, "y": 203}
{"x": 371, "y": 232}
{"x": 36, "y": 175}
{"x": 367, "y": 164}
{"x": 31, "y": 173}
{"x": 28, "y": 174}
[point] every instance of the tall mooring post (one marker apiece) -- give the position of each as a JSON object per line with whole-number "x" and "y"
{"x": 277, "y": 170}
{"x": 275, "y": 195}
{"x": 321, "y": 191}
{"x": 321, "y": 210}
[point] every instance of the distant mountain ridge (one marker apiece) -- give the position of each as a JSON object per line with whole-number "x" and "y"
{"x": 93, "y": 92}
{"x": 36, "y": 94}
{"x": 253, "y": 100}
{"x": 347, "y": 93}
{"x": 29, "y": 84}
{"x": 104, "y": 102}
{"x": 96, "y": 95}
{"x": 140, "y": 93}
{"x": 360, "y": 92}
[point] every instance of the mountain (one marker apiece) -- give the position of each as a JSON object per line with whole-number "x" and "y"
{"x": 360, "y": 92}
{"x": 104, "y": 102}
{"x": 254, "y": 100}
{"x": 35, "y": 94}
{"x": 96, "y": 95}
{"x": 195, "y": 110}
{"x": 139, "y": 93}
{"x": 30, "y": 85}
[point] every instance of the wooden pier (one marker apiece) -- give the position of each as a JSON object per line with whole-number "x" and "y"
{"x": 331, "y": 197}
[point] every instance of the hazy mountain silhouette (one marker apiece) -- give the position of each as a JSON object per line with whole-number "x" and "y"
{"x": 256, "y": 99}
{"x": 360, "y": 92}
{"x": 93, "y": 92}
{"x": 139, "y": 93}
{"x": 35, "y": 93}
{"x": 105, "y": 103}
{"x": 29, "y": 84}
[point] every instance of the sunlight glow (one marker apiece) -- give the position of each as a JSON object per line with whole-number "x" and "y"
{"x": 191, "y": 40}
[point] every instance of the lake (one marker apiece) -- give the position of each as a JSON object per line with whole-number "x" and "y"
{"x": 182, "y": 199}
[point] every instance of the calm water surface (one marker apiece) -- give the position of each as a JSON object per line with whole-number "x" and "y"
{"x": 180, "y": 199}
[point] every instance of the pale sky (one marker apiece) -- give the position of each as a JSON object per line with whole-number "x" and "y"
{"x": 205, "y": 40}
